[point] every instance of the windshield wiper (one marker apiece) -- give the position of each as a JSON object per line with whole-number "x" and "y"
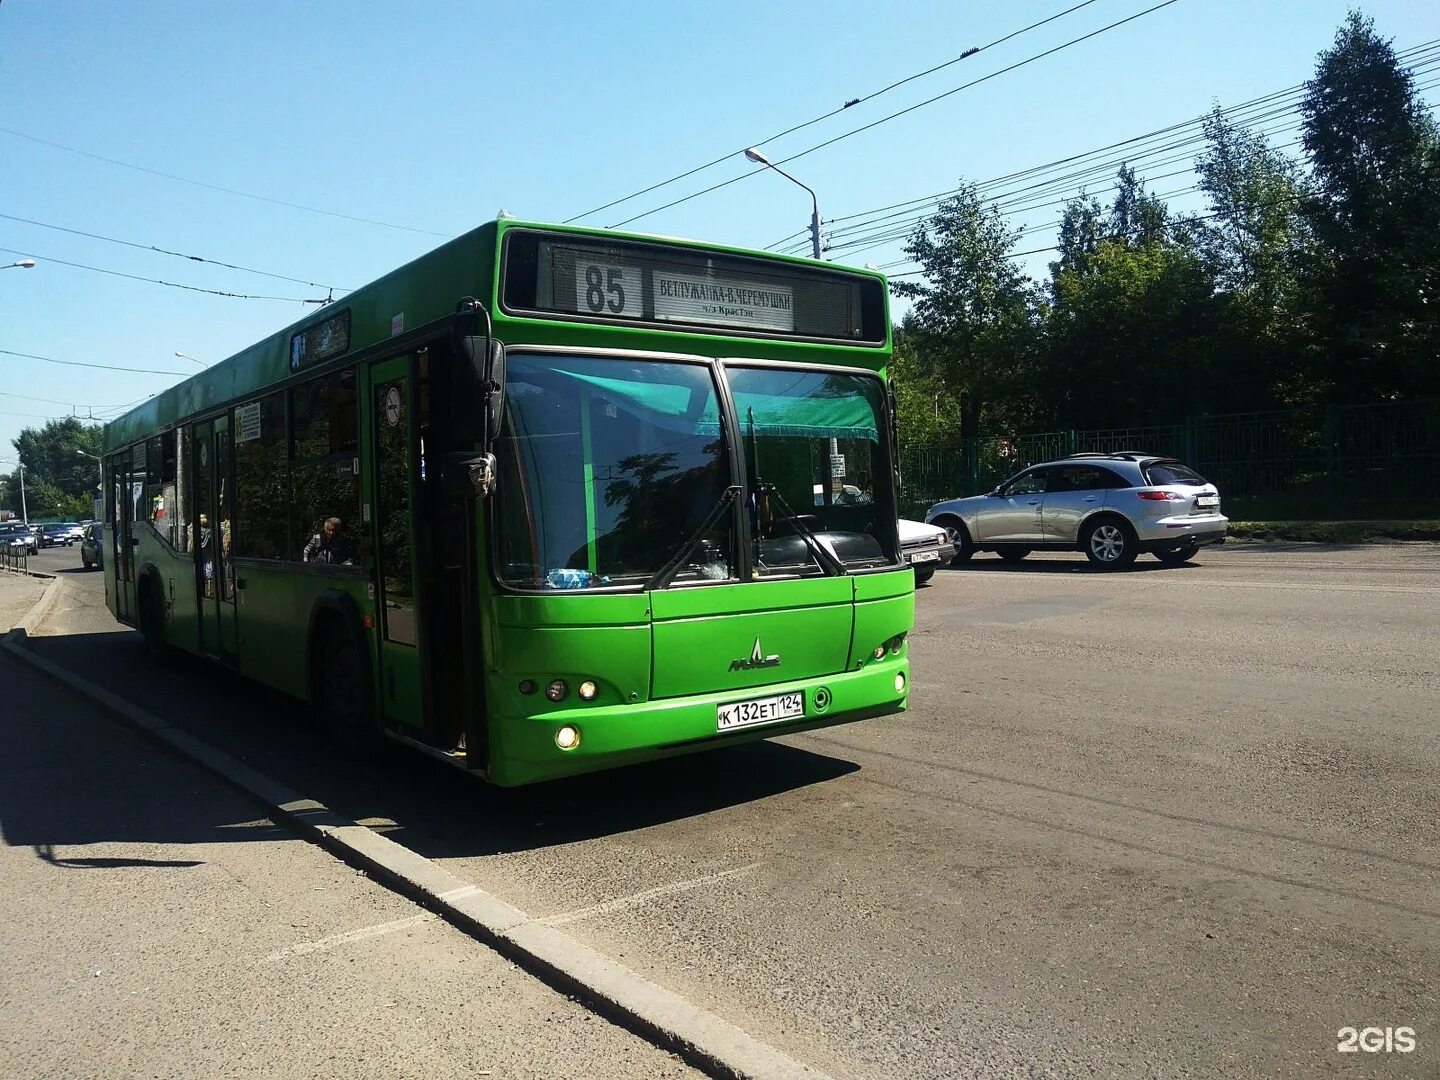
{"x": 666, "y": 573}
{"x": 823, "y": 554}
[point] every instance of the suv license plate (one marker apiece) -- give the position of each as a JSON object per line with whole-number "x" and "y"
{"x": 738, "y": 714}
{"x": 925, "y": 556}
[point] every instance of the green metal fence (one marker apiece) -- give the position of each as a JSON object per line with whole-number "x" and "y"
{"x": 1335, "y": 462}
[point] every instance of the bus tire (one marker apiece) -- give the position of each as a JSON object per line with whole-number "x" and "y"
{"x": 151, "y": 613}
{"x": 341, "y": 690}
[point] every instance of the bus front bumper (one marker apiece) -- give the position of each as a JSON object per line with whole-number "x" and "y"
{"x": 526, "y": 749}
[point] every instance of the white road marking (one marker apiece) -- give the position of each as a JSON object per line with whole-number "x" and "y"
{"x": 351, "y": 935}
{"x": 1302, "y": 586}
{"x": 639, "y": 898}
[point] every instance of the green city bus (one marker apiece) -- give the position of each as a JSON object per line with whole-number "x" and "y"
{"x": 545, "y": 500}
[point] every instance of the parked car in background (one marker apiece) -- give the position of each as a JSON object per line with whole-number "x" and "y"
{"x": 92, "y": 547}
{"x": 76, "y": 530}
{"x": 18, "y": 539}
{"x": 55, "y": 535}
{"x": 1110, "y": 506}
{"x": 925, "y": 548}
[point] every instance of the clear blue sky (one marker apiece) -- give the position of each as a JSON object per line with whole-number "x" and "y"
{"x": 434, "y": 116}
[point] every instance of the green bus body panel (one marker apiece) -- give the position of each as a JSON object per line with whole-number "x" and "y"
{"x": 663, "y": 662}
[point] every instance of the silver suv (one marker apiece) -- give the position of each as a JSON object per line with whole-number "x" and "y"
{"x": 1110, "y": 506}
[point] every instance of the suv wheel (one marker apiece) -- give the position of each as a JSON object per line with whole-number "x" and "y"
{"x": 1109, "y": 543}
{"x": 1177, "y": 555}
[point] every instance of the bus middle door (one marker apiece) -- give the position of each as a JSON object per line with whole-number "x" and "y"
{"x": 394, "y": 472}
{"x": 210, "y": 542}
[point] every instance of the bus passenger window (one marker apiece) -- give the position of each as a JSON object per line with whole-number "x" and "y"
{"x": 324, "y": 447}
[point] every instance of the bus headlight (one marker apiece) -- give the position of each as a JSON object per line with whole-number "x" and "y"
{"x": 588, "y": 690}
{"x": 879, "y": 653}
{"x": 568, "y": 737}
{"x": 557, "y": 690}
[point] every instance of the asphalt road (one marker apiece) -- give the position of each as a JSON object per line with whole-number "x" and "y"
{"x": 1170, "y": 822}
{"x": 154, "y": 926}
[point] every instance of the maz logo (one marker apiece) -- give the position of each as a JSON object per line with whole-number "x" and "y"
{"x": 758, "y": 659}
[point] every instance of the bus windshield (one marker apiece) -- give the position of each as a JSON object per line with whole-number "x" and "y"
{"x": 609, "y": 469}
{"x": 812, "y": 452}
{"x": 613, "y": 469}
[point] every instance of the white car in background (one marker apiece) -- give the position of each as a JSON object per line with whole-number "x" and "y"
{"x": 925, "y": 548}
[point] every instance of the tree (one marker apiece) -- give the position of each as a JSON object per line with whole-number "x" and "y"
{"x": 1253, "y": 241}
{"x": 971, "y": 333}
{"x": 1130, "y": 315}
{"x": 1374, "y": 275}
{"x": 59, "y": 481}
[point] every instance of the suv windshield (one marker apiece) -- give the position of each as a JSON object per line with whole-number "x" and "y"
{"x": 617, "y": 472}
{"x": 1160, "y": 473}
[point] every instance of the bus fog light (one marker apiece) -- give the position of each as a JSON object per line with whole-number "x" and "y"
{"x": 568, "y": 737}
{"x": 557, "y": 690}
{"x": 899, "y": 682}
{"x": 588, "y": 690}
{"x": 879, "y": 653}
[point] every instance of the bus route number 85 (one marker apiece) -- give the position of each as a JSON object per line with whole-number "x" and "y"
{"x": 604, "y": 288}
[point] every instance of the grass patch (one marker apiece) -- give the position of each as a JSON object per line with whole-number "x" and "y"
{"x": 1335, "y": 532}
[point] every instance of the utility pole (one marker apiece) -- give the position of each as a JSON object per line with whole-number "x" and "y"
{"x": 24, "y": 513}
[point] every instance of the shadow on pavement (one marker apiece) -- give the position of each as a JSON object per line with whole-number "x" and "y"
{"x": 1143, "y": 565}
{"x": 71, "y": 776}
{"x": 436, "y": 810}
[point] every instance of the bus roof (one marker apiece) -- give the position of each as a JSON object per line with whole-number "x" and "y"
{"x": 427, "y": 289}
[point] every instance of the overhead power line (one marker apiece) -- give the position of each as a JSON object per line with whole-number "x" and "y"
{"x": 1085, "y": 166}
{"x": 973, "y": 51}
{"x": 174, "y": 254}
{"x": 877, "y": 228}
{"x": 920, "y": 105}
{"x": 158, "y": 281}
{"x": 102, "y": 367}
{"x": 216, "y": 187}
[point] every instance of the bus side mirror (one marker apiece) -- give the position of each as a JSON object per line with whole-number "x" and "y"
{"x": 494, "y": 393}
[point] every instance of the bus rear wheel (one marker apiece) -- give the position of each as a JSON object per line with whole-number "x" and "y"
{"x": 342, "y": 697}
{"x": 151, "y": 604}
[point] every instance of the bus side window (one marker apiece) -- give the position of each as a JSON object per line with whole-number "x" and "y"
{"x": 262, "y": 480}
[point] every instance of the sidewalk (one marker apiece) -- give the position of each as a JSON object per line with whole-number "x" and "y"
{"x": 154, "y": 926}
{"x": 18, "y": 594}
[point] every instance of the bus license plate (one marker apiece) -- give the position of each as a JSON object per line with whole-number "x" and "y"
{"x": 738, "y": 714}
{"x": 925, "y": 556}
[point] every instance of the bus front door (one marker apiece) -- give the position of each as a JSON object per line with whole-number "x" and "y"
{"x": 395, "y": 474}
{"x": 214, "y": 577}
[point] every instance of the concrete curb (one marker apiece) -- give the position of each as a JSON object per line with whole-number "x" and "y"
{"x": 702, "y": 1039}
{"x": 36, "y": 615}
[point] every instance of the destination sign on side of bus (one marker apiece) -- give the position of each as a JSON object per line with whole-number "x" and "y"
{"x": 631, "y": 281}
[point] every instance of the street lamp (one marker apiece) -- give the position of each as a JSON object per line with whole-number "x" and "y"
{"x": 187, "y": 356}
{"x": 760, "y": 159}
{"x": 23, "y": 264}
